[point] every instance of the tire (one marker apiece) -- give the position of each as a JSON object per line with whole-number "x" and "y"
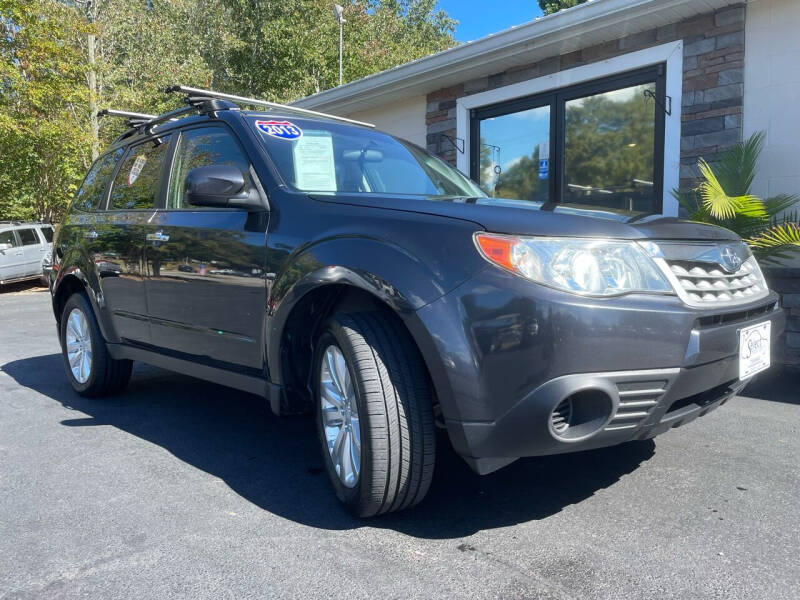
{"x": 393, "y": 407}
{"x": 104, "y": 375}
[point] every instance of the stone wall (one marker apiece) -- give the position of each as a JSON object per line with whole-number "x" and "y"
{"x": 713, "y": 84}
{"x": 786, "y": 281}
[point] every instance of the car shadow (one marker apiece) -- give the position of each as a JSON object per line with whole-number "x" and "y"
{"x": 29, "y": 286}
{"x": 275, "y": 463}
{"x": 779, "y": 384}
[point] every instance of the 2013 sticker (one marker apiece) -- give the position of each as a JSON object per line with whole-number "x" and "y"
{"x": 284, "y": 130}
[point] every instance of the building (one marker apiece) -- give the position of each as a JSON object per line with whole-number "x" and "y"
{"x": 609, "y": 103}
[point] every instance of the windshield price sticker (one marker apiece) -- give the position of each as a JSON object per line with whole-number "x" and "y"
{"x": 284, "y": 130}
{"x": 314, "y": 165}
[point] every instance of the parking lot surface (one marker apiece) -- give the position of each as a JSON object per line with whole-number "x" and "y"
{"x": 182, "y": 488}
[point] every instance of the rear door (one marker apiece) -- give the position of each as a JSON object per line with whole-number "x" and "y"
{"x": 206, "y": 291}
{"x": 120, "y": 233}
{"x": 32, "y": 251}
{"x": 11, "y": 258}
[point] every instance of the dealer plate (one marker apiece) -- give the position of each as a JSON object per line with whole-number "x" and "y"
{"x": 754, "y": 349}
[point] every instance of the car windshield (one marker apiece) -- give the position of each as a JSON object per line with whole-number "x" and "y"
{"x": 321, "y": 156}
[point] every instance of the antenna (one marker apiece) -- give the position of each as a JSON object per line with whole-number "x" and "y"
{"x": 197, "y": 92}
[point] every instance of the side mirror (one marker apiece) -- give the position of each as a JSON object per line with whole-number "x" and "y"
{"x": 220, "y": 186}
{"x": 4, "y": 247}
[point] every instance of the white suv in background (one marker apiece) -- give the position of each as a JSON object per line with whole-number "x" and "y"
{"x": 25, "y": 251}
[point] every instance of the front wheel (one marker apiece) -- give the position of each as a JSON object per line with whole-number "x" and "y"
{"x": 374, "y": 414}
{"x": 89, "y": 367}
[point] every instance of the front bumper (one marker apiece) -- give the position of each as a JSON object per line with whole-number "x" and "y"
{"x": 514, "y": 351}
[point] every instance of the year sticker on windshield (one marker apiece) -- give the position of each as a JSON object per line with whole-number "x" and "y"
{"x": 284, "y": 130}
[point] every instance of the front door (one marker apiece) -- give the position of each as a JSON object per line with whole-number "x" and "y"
{"x": 32, "y": 252}
{"x": 206, "y": 287}
{"x": 12, "y": 256}
{"x": 120, "y": 237}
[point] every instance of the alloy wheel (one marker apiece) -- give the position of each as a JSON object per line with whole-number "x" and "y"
{"x": 340, "y": 416}
{"x": 78, "y": 341}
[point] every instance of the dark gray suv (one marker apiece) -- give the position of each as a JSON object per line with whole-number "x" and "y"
{"x": 341, "y": 272}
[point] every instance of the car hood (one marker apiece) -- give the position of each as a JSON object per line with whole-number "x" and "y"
{"x": 524, "y": 217}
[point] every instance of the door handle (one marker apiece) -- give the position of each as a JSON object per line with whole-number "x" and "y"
{"x": 91, "y": 235}
{"x": 158, "y": 236}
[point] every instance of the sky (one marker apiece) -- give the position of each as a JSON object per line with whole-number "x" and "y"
{"x": 478, "y": 18}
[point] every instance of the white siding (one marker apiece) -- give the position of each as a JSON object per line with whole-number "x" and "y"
{"x": 772, "y": 91}
{"x": 405, "y": 119}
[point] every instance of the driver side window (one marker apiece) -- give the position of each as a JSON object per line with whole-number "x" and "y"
{"x": 203, "y": 147}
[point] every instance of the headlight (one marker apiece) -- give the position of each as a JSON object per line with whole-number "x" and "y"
{"x": 590, "y": 267}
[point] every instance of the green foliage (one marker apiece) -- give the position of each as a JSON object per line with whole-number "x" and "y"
{"x": 724, "y": 198}
{"x": 63, "y": 60}
{"x": 552, "y": 6}
{"x": 43, "y": 141}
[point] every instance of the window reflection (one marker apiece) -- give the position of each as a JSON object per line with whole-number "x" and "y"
{"x": 515, "y": 153}
{"x": 608, "y": 149}
{"x": 139, "y": 178}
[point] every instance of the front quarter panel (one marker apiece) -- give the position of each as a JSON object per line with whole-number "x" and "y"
{"x": 405, "y": 259}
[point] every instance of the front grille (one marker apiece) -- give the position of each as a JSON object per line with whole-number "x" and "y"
{"x": 707, "y": 283}
{"x": 636, "y": 400}
{"x": 734, "y": 317}
{"x": 711, "y": 274}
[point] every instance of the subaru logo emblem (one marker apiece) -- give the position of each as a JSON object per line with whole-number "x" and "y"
{"x": 731, "y": 261}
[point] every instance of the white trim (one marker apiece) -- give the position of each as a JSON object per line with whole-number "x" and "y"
{"x": 671, "y": 54}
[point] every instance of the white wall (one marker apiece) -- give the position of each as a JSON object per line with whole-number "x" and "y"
{"x": 405, "y": 119}
{"x": 772, "y": 92}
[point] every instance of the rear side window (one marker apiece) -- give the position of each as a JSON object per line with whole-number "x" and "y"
{"x": 200, "y": 148}
{"x": 47, "y": 232}
{"x": 28, "y": 237}
{"x": 8, "y": 237}
{"x": 90, "y": 194}
{"x": 138, "y": 180}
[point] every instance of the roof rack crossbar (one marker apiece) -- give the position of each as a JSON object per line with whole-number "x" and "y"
{"x": 254, "y": 101}
{"x": 134, "y": 118}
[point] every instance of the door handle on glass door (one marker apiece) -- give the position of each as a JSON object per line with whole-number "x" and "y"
{"x": 158, "y": 236}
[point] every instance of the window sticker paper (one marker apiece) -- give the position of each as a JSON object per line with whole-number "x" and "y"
{"x": 136, "y": 168}
{"x": 314, "y": 168}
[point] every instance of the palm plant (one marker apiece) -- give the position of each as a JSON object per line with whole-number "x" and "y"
{"x": 724, "y": 198}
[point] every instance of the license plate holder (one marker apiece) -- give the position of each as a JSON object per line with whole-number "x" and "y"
{"x": 754, "y": 349}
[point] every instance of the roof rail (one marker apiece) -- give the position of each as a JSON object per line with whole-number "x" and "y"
{"x": 195, "y": 93}
{"x": 134, "y": 118}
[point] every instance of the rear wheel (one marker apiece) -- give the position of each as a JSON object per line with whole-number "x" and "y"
{"x": 89, "y": 367}
{"x": 374, "y": 414}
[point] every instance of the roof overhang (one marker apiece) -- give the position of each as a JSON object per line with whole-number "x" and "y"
{"x": 582, "y": 26}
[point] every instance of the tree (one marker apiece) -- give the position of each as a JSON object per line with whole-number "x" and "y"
{"x": 290, "y": 49}
{"x": 553, "y": 6}
{"x": 64, "y": 60}
{"x": 44, "y": 142}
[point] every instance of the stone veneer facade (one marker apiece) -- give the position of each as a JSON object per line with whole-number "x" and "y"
{"x": 786, "y": 281}
{"x": 713, "y": 84}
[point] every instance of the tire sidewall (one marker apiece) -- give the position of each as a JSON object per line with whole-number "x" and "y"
{"x": 79, "y": 301}
{"x": 353, "y": 497}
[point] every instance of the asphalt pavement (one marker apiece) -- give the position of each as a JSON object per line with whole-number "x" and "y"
{"x": 184, "y": 489}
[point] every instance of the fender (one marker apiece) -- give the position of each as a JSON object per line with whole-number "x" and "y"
{"x": 76, "y": 264}
{"x": 391, "y": 274}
